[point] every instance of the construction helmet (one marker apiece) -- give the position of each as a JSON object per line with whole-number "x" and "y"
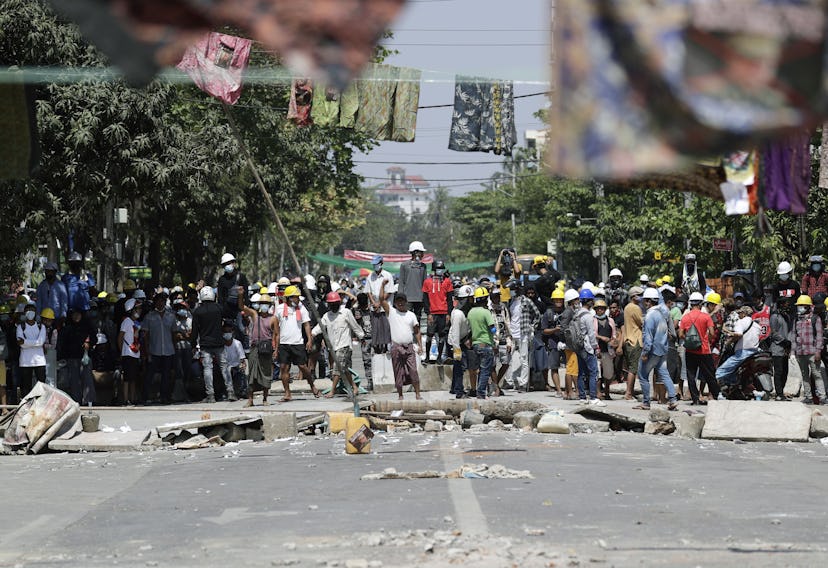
{"x": 255, "y": 298}
{"x": 129, "y": 284}
{"x": 600, "y": 304}
{"x": 140, "y": 294}
{"x": 480, "y": 292}
{"x": 333, "y": 298}
{"x": 696, "y": 298}
{"x": 784, "y": 268}
{"x": 667, "y": 279}
{"x": 4, "y": 309}
{"x": 227, "y": 258}
{"x": 570, "y": 295}
{"x": 804, "y": 300}
{"x": 102, "y": 295}
{"x": 615, "y": 272}
{"x": 714, "y": 298}
{"x": 291, "y": 291}
{"x": 112, "y": 298}
{"x": 659, "y": 282}
{"x": 207, "y": 294}
{"x": 586, "y": 294}
{"x": 650, "y": 294}
{"x": 265, "y": 299}
{"x": 540, "y": 259}
{"x": 75, "y": 256}
{"x": 558, "y": 294}
{"x": 263, "y": 290}
{"x": 464, "y": 291}
{"x": 48, "y": 313}
{"x": 283, "y": 281}
{"x": 438, "y": 265}
{"x": 416, "y": 245}
{"x": 643, "y": 278}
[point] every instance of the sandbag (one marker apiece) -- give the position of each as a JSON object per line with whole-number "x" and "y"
{"x": 43, "y": 414}
{"x": 553, "y": 422}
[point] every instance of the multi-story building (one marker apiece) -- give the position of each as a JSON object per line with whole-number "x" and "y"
{"x": 409, "y": 193}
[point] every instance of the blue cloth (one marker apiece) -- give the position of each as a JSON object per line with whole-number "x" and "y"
{"x": 486, "y": 356}
{"x": 53, "y": 296}
{"x": 727, "y": 371}
{"x": 655, "y": 331}
{"x": 659, "y": 364}
{"x": 587, "y": 363}
{"x": 77, "y": 289}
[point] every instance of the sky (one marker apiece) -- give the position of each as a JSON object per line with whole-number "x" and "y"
{"x": 473, "y": 37}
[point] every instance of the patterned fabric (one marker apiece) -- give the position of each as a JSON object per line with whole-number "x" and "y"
{"x": 301, "y": 98}
{"x": 808, "y": 335}
{"x": 646, "y": 86}
{"x": 786, "y": 174}
{"x": 388, "y": 100}
{"x": 484, "y": 116}
{"x": 215, "y": 63}
{"x": 529, "y": 317}
{"x": 332, "y": 107}
{"x": 328, "y": 39}
{"x": 812, "y": 285}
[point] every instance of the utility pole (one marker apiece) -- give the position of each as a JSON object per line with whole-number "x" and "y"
{"x": 603, "y": 268}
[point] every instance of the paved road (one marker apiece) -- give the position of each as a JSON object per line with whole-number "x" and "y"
{"x": 617, "y": 499}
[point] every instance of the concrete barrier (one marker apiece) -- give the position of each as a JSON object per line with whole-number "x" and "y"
{"x": 757, "y": 421}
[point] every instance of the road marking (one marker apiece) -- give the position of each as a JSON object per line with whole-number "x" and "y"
{"x": 235, "y": 514}
{"x": 469, "y": 515}
{"x": 12, "y": 536}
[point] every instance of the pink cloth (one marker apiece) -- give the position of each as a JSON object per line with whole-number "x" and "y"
{"x": 216, "y": 64}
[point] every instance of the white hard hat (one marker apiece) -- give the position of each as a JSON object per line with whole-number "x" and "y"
{"x": 668, "y": 288}
{"x": 207, "y": 294}
{"x": 310, "y": 281}
{"x": 139, "y": 294}
{"x": 335, "y": 286}
{"x": 129, "y": 304}
{"x": 643, "y": 278}
{"x": 283, "y": 281}
{"x": 784, "y": 267}
{"x": 650, "y": 294}
{"x": 588, "y": 286}
{"x": 465, "y": 291}
{"x": 227, "y": 257}
{"x": 570, "y": 295}
{"x": 696, "y": 298}
{"x": 272, "y": 288}
{"x": 615, "y": 272}
{"x": 255, "y": 298}
{"x": 416, "y": 245}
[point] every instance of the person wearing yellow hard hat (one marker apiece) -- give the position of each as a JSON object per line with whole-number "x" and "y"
{"x": 483, "y": 330}
{"x": 550, "y": 320}
{"x": 807, "y": 345}
{"x": 52, "y": 293}
{"x": 294, "y": 320}
{"x": 547, "y": 279}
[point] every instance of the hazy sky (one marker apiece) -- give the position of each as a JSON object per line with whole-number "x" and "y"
{"x": 490, "y": 38}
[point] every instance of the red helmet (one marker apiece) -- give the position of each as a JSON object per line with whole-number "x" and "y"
{"x": 333, "y": 298}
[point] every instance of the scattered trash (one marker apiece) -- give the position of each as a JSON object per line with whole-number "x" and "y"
{"x": 43, "y": 414}
{"x": 534, "y": 532}
{"x": 107, "y": 429}
{"x": 200, "y": 441}
{"x": 476, "y": 471}
{"x": 125, "y": 428}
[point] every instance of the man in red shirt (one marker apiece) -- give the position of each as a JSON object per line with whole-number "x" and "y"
{"x": 437, "y": 292}
{"x": 699, "y": 359}
{"x": 762, "y": 318}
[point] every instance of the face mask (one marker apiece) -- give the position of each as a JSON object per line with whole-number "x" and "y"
{"x": 229, "y": 268}
{"x": 816, "y": 267}
{"x": 30, "y": 316}
{"x": 255, "y": 307}
{"x": 136, "y": 314}
{"x": 378, "y": 268}
{"x": 801, "y": 310}
{"x": 784, "y": 277}
{"x": 601, "y": 316}
{"x": 182, "y": 313}
{"x": 227, "y": 336}
{"x": 680, "y": 305}
{"x": 264, "y": 308}
{"x": 739, "y": 303}
{"x": 691, "y": 268}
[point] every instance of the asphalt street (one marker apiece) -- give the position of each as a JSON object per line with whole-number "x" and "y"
{"x": 616, "y": 499}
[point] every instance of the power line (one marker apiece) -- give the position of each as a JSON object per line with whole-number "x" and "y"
{"x": 489, "y": 179}
{"x": 467, "y": 45}
{"x": 428, "y": 163}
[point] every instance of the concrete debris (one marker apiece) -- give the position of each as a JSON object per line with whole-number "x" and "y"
{"x": 471, "y": 417}
{"x": 279, "y": 425}
{"x": 43, "y": 415}
{"x": 553, "y": 422}
{"x": 757, "y": 421}
{"x": 198, "y": 424}
{"x": 664, "y": 428}
{"x": 819, "y": 425}
{"x": 688, "y": 425}
{"x": 496, "y": 425}
{"x": 200, "y": 441}
{"x": 435, "y": 413}
{"x": 525, "y": 420}
{"x": 469, "y": 471}
{"x": 659, "y": 415}
{"x": 617, "y": 421}
{"x": 102, "y": 442}
{"x": 580, "y": 425}
{"x": 533, "y": 532}
{"x": 433, "y": 426}
{"x": 479, "y": 428}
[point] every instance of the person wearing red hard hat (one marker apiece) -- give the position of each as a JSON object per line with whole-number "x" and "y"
{"x": 339, "y": 324}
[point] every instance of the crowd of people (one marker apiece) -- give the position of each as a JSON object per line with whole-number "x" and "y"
{"x": 516, "y": 329}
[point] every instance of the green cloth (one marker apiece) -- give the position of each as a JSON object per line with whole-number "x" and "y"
{"x": 334, "y": 108}
{"x": 481, "y": 322}
{"x": 18, "y": 154}
{"x": 406, "y": 101}
{"x": 388, "y": 100}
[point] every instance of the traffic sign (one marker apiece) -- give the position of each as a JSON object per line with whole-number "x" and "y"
{"x": 723, "y": 245}
{"x": 552, "y": 246}
{"x": 657, "y": 255}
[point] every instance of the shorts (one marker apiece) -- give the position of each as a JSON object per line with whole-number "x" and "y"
{"x": 632, "y": 356}
{"x": 293, "y": 355}
{"x": 471, "y": 362}
{"x": 438, "y": 326}
{"x": 343, "y": 358}
{"x": 2, "y": 373}
{"x": 571, "y": 363}
{"x": 131, "y": 367}
{"x": 504, "y": 356}
{"x": 554, "y": 359}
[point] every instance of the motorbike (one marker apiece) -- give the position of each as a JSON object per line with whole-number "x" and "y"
{"x": 754, "y": 379}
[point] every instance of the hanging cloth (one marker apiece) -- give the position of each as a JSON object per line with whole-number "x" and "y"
{"x": 19, "y": 148}
{"x": 483, "y": 119}
{"x": 332, "y": 107}
{"x": 216, "y": 63}
{"x": 786, "y": 174}
{"x": 301, "y": 99}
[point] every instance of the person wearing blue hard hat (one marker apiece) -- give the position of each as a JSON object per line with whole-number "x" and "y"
{"x": 377, "y": 281}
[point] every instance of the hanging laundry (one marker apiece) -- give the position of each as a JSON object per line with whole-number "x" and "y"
{"x": 388, "y": 100}
{"x": 326, "y": 39}
{"x": 483, "y": 119}
{"x": 332, "y": 107}
{"x": 19, "y": 147}
{"x": 301, "y": 99}
{"x": 786, "y": 174}
{"x": 649, "y": 86}
{"x": 738, "y": 166}
{"x": 735, "y": 198}
{"x": 823, "y": 158}
{"x": 216, "y": 63}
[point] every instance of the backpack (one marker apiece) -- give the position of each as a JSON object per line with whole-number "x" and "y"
{"x": 692, "y": 339}
{"x": 574, "y": 335}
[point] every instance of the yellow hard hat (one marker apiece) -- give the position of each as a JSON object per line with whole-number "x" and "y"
{"x": 265, "y": 299}
{"x": 263, "y": 290}
{"x": 540, "y": 259}
{"x": 480, "y": 292}
{"x": 112, "y": 298}
{"x": 667, "y": 279}
{"x": 48, "y": 313}
{"x": 4, "y": 309}
{"x": 558, "y": 294}
{"x": 291, "y": 291}
{"x": 102, "y": 295}
{"x": 804, "y": 300}
{"x": 129, "y": 284}
{"x": 191, "y": 286}
{"x": 713, "y": 298}
{"x": 659, "y": 282}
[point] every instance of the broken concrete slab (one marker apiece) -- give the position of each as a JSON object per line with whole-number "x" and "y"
{"x": 819, "y": 425}
{"x": 281, "y": 425}
{"x": 197, "y": 424}
{"x": 659, "y": 415}
{"x": 617, "y": 420}
{"x": 525, "y": 420}
{"x": 471, "y": 417}
{"x": 794, "y": 383}
{"x": 116, "y": 441}
{"x": 688, "y": 426}
{"x": 663, "y": 428}
{"x": 433, "y": 426}
{"x": 581, "y": 425}
{"x": 621, "y": 388}
{"x": 553, "y": 422}
{"x": 757, "y": 421}
{"x": 200, "y": 441}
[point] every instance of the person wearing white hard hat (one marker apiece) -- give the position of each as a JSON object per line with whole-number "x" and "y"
{"x": 413, "y": 273}
{"x": 458, "y": 339}
{"x": 231, "y": 291}
{"x": 692, "y": 280}
{"x": 654, "y": 349}
{"x": 786, "y": 286}
{"x": 615, "y": 290}
{"x": 206, "y": 336}
{"x": 696, "y": 329}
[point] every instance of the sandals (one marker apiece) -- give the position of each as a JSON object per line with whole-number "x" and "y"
{"x": 641, "y": 407}
{"x": 672, "y": 406}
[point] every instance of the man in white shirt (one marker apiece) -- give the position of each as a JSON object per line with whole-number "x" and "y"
{"x": 292, "y": 347}
{"x": 379, "y": 283}
{"x": 31, "y": 336}
{"x": 406, "y": 342}
{"x": 746, "y": 332}
{"x": 339, "y": 324}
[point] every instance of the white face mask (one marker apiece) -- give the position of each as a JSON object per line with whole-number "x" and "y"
{"x": 801, "y": 310}
{"x": 30, "y": 316}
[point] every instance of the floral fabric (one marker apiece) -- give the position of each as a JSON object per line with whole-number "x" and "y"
{"x": 483, "y": 119}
